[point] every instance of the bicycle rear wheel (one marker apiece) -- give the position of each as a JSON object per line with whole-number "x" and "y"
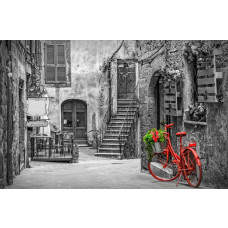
{"x": 192, "y": 168}
{"x": 161, "y": 169}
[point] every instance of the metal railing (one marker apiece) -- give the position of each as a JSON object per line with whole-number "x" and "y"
{"x": 127, "y": 134}
{"x": 106, "y": 120}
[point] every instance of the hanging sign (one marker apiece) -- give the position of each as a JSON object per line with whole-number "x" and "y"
{"x": 37, "y": 106}
{"x": 38, "y": 123}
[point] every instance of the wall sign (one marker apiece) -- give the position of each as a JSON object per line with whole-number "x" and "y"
{"x": 38, "y": 123}
{"x": 37, "y": 106}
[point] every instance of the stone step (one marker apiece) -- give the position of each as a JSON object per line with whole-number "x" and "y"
{"x": 113, "y": 136}
{"x": 119, "y": 124}
{"x": 125, "y": 109}
{"x": 118, "y": 120}
{"x": 110, "y": 141}
{"x": 113, "y": 127}
{"x": 127, "y": 102}
{"x": 163, "y": 172}
{"x": 109, "y": 150}
{"x": 125, "y": 99}
{"x": 110, "y": 145}
{"x": 82, "y": 145}
{"x": 127, "y": 106}
{"x": 121, "y": 115}
{"x": 109, "y": 155}
{"x": 116, "y": 131}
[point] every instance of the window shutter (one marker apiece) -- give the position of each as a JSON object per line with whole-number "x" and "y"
{"x": 55, "y": 62}
{"x": 61, "y": 74}
{"x": 50, "y": 74}
{"x": 50, "y": 54}
{"x": 61, "y": 56}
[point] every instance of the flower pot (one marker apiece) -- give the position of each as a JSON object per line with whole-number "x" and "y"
{"x": 157, "y": 147}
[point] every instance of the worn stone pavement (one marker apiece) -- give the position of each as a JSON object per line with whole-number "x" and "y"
{"x": 90, "y": 173}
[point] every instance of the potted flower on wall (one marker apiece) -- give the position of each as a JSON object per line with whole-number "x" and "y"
{"x": 196, "y": 112}
{"x": 153, "y": 140}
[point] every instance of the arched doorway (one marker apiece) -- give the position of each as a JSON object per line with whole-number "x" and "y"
{"x": 74, "y": 118}
{"x": 156, "y": 101}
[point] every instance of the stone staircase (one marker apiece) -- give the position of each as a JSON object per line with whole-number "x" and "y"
{"x": 110, "y": 144}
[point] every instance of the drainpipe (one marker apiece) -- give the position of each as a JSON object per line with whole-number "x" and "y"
{"x": 110, "y": 79}
{"x": 110, "y": 90}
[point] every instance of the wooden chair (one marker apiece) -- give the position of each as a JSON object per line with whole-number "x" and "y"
{"x": 58, "y": 144}
{"x": 67, "y": 143}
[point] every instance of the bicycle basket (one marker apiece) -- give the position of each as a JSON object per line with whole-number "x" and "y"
{"x": 159, "y": 147}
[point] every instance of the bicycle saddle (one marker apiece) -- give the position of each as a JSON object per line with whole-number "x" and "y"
{"x": 181, "y": 133}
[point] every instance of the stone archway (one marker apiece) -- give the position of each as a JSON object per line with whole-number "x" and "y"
{"x": 156, "y": 101}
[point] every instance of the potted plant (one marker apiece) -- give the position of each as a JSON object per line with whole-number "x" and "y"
{"x": 196, "y": 112}
{"x": 152, "y": 139}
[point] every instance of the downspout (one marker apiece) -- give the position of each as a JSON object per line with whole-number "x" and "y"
{"x": 110, "y": 80}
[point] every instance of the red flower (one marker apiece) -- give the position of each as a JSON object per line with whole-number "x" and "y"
{"x": 155, "y": 135}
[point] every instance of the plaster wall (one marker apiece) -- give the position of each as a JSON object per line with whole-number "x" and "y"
{"x": 86, "y": 59}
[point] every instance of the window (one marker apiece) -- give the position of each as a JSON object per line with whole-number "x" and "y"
{"x": 55, "y": 62}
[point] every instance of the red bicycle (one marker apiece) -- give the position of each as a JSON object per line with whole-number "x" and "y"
{"x": 168, "y": 165}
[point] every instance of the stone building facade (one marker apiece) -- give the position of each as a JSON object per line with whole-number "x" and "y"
{"x": 80, "y": 100}
{"x": 211, "y": 134}
{"x": 13, "y": 102}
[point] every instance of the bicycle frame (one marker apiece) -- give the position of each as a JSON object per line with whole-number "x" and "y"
{"x": 169, "y": 150}
{"x": 187, "y": 163}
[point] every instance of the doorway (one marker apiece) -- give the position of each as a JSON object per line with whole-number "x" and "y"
{"x": 126, "y": 78}
{"x": 74, "y": 118}
{"x": 156, "y": 101}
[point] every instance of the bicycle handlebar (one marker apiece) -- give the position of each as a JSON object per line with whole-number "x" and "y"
{"x": 168, "y": 126}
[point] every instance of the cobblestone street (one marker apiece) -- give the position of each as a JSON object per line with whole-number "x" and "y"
{"x": 90, "y": 173}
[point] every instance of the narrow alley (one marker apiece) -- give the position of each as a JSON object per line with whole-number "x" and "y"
{"x": 90, "y": 173}
{"x": 113, "y": 114}
{"x": 144, "y": 106}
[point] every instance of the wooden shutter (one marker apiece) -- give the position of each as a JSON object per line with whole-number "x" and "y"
{"x": 173, "y": 99}
{"x": 209, "y": 78}
{"x": 55, "y": 63}
{"x": 61, "y": 74}
{"x": 50, "y": 73}
{"x": 61, "y": 56}
{"x": 61, "y": 69}
{"x": 50, "y": 60}
{"x": 50, "y": 54}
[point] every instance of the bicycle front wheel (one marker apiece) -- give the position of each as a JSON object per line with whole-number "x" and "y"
{"x": 163, "y": 168}
{"x": 192, "y": 167}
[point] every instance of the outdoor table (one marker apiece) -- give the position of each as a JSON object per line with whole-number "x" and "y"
{"x": 33, "y": 139}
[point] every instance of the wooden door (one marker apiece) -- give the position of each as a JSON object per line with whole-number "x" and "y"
{"x": 74, "y": 118}
{"x": 125, "y": 79}
{"x": 80, "y": 120}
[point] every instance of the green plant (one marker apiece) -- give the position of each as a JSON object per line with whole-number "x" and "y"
{"x": 151, "y": 138}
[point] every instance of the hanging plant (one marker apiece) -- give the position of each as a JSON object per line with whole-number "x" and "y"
{"x": 202, "y": 50}
{"x": 172, "y": 62}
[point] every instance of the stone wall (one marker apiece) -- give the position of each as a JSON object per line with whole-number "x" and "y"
{"x": 211, "y": 138}
{"x": 3, "y": 114}
{"x": 13, "y": 142}
{"x": 147, "y": 111}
